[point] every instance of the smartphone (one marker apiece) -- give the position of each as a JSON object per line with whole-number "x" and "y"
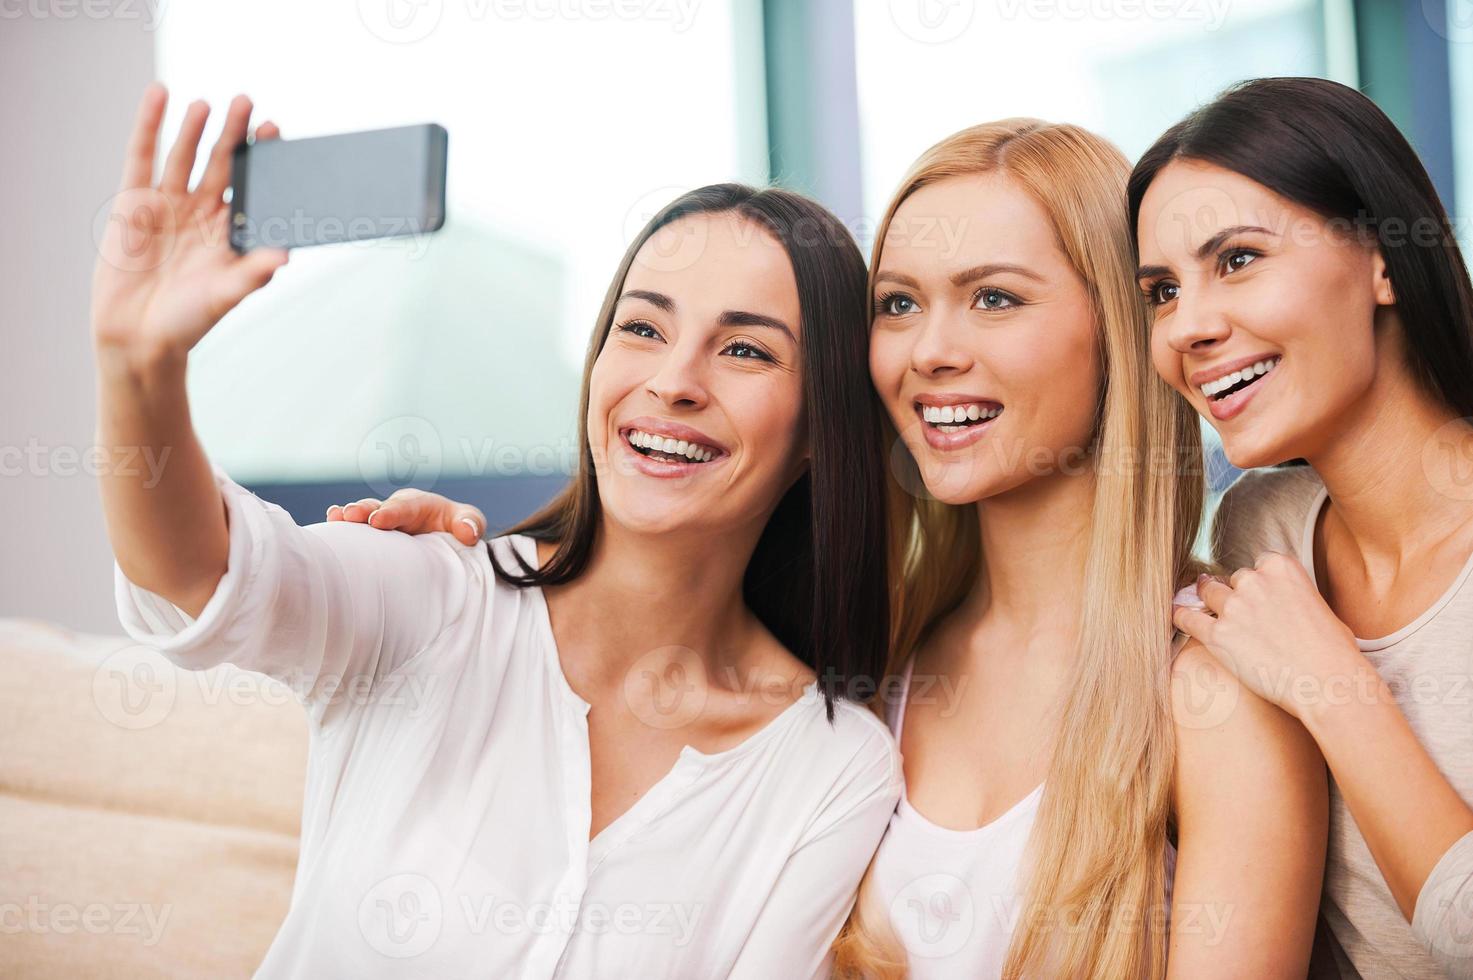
{"x": 380, "y": 183}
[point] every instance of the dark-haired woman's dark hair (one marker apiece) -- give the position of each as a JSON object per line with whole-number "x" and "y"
{"x": 1327, "y": 147}
{"x": 817, "y": 578}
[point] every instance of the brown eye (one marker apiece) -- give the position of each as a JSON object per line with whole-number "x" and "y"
{"x": 745, "y": 351}
{"x": 639, "y": 328}
{"x": 1236, "y": 260}
{"x": 1164, "y": 292}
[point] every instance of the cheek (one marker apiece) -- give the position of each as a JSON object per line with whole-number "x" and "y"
{"x": 1059, "y": 371}
{"x": 606, "y": 386}
{"x": 1167, "y": 361}
{"x": 888, "y": 361}
{"x": 766, "y": 413}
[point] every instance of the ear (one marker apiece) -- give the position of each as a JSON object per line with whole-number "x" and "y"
{"x": 1381, "y": 282}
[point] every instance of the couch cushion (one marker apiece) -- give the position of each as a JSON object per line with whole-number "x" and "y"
{"x": 148, "y": 814}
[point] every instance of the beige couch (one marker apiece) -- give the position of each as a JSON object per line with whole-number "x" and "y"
{"x": 148, "y": 815}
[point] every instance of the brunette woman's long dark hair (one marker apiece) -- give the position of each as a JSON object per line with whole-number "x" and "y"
{"x": 818, "y": 577}
{"x": 1327, "y": 147}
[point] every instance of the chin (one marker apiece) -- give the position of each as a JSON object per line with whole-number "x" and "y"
{"x": 1248, "y": 453}
{"x": 960, "y": 482}
{"x": 653, "y": 513}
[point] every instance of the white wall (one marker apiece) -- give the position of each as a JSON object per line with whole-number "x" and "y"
{"x": 70, "y": 76}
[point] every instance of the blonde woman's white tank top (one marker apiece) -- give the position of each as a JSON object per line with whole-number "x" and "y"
{"x": 954, "y": 896}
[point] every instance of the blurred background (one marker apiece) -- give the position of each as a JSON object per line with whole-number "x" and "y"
{"x": 451, "y": 361}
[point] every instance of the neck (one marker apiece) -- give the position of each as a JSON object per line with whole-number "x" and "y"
{"x": 1035, "y": 539}
{"x": 642, "y": 594}
{"x": 1392, "y": 468}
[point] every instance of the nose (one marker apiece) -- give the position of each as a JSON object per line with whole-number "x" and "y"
{"x": 937, "y": 351}
{"x": 679, "y": 381}
{"x": 1199, "y": 322}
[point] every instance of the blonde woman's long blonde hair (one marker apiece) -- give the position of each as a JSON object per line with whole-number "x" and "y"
{"x": 1094, "y": 899}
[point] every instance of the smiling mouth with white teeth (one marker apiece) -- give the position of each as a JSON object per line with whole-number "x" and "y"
{"x": 958, "y": 418}
{"x": 667, "y": 450}
{"x": 1235, "y": 382}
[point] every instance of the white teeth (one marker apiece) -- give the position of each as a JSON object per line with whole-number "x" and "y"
{"x": 1212, "y": 388}
{"x": 944, "y": 415}
{"x": 674, "y": 447}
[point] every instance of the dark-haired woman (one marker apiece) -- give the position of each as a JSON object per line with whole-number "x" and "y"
{"x": 1312, "y": 304}
{"x": 615, "y": 744}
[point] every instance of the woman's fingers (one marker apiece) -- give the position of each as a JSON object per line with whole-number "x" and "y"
{"x": 268, "y": 130}
{"x": 355, "y": 512}
{"x": 138, "y": 159}
{"x": 468, "y": 524}
{"x": 246, "y": 275}
{"x": 414, "y": 512}
{"x": 180, "y": 163}
{"x": 217, "y": 172}
{"x": 408, "y": 510}
{"x": 1213, "y": 591}
{"x": 1195, "y": 623}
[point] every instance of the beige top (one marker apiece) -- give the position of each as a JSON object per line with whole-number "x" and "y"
{"x": 1428, "y": 665}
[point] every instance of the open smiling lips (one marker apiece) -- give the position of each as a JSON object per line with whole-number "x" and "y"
{"x": 957, "y": 418}
{"x": 1231, "y": 384}
{"x": 666, "y": 450}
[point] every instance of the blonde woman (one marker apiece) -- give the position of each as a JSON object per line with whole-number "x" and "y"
{"x": 1062, "y": 770}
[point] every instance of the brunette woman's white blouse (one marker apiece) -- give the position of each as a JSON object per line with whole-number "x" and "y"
{"x": 446, "y": 819}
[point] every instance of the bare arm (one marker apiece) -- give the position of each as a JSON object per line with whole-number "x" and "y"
{"x": 165, "y": 275}
{"x": 1252, "y": 807}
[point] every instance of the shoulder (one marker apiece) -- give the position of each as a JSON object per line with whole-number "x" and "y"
{"x": 512, "y": 551}
{"x": 1264, "y": 510}
{"x": 1229, "y": 737}
{"x": 1204, "y": 694}
{"x": 857, "y": 741}
{"x": 436, "y": 557}
{"x": 851, "y": 771}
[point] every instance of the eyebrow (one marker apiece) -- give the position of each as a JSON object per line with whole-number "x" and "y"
{"x": 966, "y": 275}
{"x": 742, "y": 318}
{"x": 1206, "y": 248}
{"x": 992, "y": 269}
{"x": 897, "y": 277}
{"x": 729, "y": 318}
{"x": 654, "y": 299}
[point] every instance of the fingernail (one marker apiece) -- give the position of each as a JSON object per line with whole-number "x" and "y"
{"x": 371, "y": 513}
{"x": 1188, "y": 597}
{"x": 475, "y": 528}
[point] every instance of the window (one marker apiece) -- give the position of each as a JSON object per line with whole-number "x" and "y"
{"x": 457, "y": 354}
